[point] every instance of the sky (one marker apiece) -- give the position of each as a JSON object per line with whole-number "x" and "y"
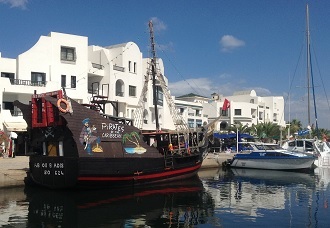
{"x": 209, "y": 46}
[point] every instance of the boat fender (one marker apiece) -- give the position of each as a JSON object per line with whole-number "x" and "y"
{"x": 67, "y": 105}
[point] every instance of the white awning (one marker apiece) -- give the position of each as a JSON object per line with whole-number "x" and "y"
{"x": 15, "y": 126}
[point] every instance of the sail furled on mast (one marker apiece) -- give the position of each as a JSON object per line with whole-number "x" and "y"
{"x": 159, "y": 85}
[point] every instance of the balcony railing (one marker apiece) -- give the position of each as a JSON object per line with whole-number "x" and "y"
{"x": 97, "y": 66}
{"x": 119, "y": 68}
{"x": 27, "y": 82}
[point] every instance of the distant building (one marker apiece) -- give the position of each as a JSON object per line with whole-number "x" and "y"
{"x": 190, "y": 106}
{"x": 246, "y": 108}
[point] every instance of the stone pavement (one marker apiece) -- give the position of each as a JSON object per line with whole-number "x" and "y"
{"x": 210, "y": 160}
{"x": 13, "y": 171}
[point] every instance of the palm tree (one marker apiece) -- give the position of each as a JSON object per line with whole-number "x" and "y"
{"x": 320, "y": 132}
{"x": 268, "y": 131}
{"x": 129, "y": 137}
{"x": 238, "y": 126}
{"x": 295, "y": 126}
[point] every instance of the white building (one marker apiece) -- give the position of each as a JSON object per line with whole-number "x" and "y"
{"x": 86, "y": 72}
{"x": 118, "y": 73}
{"x": 190, "y": 107}
{"x": 246, "y": 108}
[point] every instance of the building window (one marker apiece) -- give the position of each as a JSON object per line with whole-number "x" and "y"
{"x": 191, "y": 123}
{"x": 134, "y": 67}
{"x": 160, "y": 96}
{"x": 238, "y": 112}
{"x": 252, "y": 101}
{"x": 38, "y": 78}
{"x": 129, "y": 66}
{"x": 120, "y": 88}
{"x": 132, "y": 91}
{"x": 275, "y": 117}
{"x": 73, "y": 81}
{"x": 63, "y": 80}
{"x": 198, "y": 123}
{"x": 68, "y": 54}
{"x": 224, "y": 112}
{"x": 7, "y": 75}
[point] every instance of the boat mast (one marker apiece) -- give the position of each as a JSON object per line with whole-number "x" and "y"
{"x": 153, "y": 70}
{"x": 308, "y": 65}
{"x": 310, "y": 77}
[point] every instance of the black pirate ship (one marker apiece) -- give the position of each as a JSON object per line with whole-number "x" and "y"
{"x": 78, "y": 145}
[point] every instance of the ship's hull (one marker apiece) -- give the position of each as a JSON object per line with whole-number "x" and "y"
{"x": 63, "y": 172}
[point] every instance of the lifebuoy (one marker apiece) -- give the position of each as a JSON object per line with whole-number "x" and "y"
{"x": 67, "y": 105}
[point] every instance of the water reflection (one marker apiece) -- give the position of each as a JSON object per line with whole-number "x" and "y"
{"x": 270, "y": 198}
{"x": 177, "y": 204}
{"x": 218, "y": 198}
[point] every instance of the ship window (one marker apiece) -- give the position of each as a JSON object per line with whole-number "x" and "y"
{"x": 300, "y": 143}
{"x": 309, "y": 145}
{"x": 291, "y": 143}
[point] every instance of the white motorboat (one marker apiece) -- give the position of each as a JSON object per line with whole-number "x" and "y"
{"x": 323, "y": 149}
{"x": 270, "y": 156}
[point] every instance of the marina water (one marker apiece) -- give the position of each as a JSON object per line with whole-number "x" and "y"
{"x": 217, "y": 198}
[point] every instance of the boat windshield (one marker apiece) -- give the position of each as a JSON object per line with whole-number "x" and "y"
{"x": 268, "y": 147}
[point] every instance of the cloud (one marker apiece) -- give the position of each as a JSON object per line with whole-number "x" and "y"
{"x": 222, "y": 84}
{"x": 193, "y": 85}
{"x": 263, "y": 92}
{"x": 158, "y": 25}
{"x": 15, "y": 3}
{"x": 229, "y": 43}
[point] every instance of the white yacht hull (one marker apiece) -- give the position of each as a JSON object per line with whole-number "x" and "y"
{"x": 323, "y": 161}
{"x": 273, "y": 164}
{"x": 323, "y": 149}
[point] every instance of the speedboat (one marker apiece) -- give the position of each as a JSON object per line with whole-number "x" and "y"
{"x": 270, "y": 156}
{"x": 323, "y": 149}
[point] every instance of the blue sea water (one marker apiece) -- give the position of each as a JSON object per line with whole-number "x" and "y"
{"x": 217, "y": 198}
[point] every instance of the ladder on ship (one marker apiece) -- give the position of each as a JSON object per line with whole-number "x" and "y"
{"x": 100, "y": 97}
{"x": 169, "y": 162}
{"x": 326, "y": 161}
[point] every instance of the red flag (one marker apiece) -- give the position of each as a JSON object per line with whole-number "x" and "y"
{"x": 226, "y": 105}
